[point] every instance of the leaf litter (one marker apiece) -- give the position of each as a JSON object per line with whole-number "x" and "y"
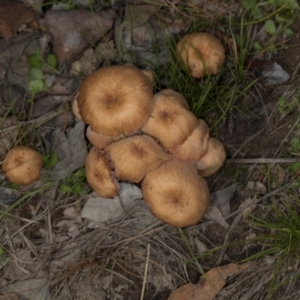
{"x": 63, "y": 245}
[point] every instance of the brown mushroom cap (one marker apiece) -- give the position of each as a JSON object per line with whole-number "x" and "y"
{"x": 213, "y": 159}
{"x": 201, "y": 53}
{"x": 22, "y": 165}
{"x": 133, "y": 157}
{"x": 174, "y": 96}
{"x": 176, "y": 194}
{"x": 170, "y": 122}
{"x": 116, "y": 100}
{"x": 99, "y": 174}
{"x": 195, "y": 146}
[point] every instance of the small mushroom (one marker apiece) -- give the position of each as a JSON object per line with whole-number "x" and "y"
{"x": 99, "y": 174}
{"x": 213, "y": 159}
{"x": 195, "y": 146}
{"x": 170, "y": 121}
{"x": 176, "y": 194}
{"x": 201, "y": 53}
{"x": 133, "y": 157}
{"x": 116, "y": 100}
{"x": 22, "y": 165}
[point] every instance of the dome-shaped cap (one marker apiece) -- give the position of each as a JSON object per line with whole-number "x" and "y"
{"x": 195, "y": 146}
{"x": 175, "y": 97}
{"x": 22, "y": 165}
{"x": 116, "y": 100}
{"x": 213, "y": 159}
{"x": 201, "y": 53}
{"x": 133, "y": 157}
{"x": 176, "y": 194}
{"x": 170, "y": 122}
{"x": 99, "y": 174}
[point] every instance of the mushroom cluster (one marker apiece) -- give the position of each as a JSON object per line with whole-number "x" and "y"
{"x": 149, "y": 139}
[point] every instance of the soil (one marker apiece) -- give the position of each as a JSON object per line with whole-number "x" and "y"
{"x": 108, "y": 262}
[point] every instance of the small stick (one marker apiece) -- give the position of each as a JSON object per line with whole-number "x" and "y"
{"x": 146, "y": 271}
{"x": 261, "y": 160}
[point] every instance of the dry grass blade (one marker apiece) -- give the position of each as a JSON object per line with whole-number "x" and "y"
{"x": 146, "y": 272}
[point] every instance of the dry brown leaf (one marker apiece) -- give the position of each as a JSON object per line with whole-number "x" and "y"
{"x": 209, "y": 285}
{"x": 10, "y": 296}
{"x": 74, "y": 30}
{"x": 13, "y": 15}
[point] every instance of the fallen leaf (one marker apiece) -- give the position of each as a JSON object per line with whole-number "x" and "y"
{"x": 248, "y": 205}
{"x": 106, "y": 53}
{"x": 8, "y": 196}
{"x": 10, "y": 296}
{"x": 214, "y": 214}
{"x": 70, "y": 212}
{"x": 210, "y": 284}
{"x": 47, "y": 104}
{"x": 222, "y": 198}
{"x": 257, "y": 186}
{"x": 13, "y": 15}
{"x": 85, "y": 65}
{"x": 201, "y": 247}
{"x": 253, "y": 63}
{"x": 68, "y": 254}
{"x": 281, "y": 174}
{"x": 142, "y": 29}
{"x": 100, "y": 209}
{"x": 260, "y": 187}
{"x": 71, "y": 35}
{"x": 33, "y": 289}
{"x": 71, "y": 150}
{"x": 161, "y": 282}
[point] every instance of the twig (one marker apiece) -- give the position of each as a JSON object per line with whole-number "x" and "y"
{"x": 146, "y": 272}
{"x": 261, "y": 160}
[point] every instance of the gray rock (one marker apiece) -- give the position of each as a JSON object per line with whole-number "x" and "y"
{"x": 274, "y": 74}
